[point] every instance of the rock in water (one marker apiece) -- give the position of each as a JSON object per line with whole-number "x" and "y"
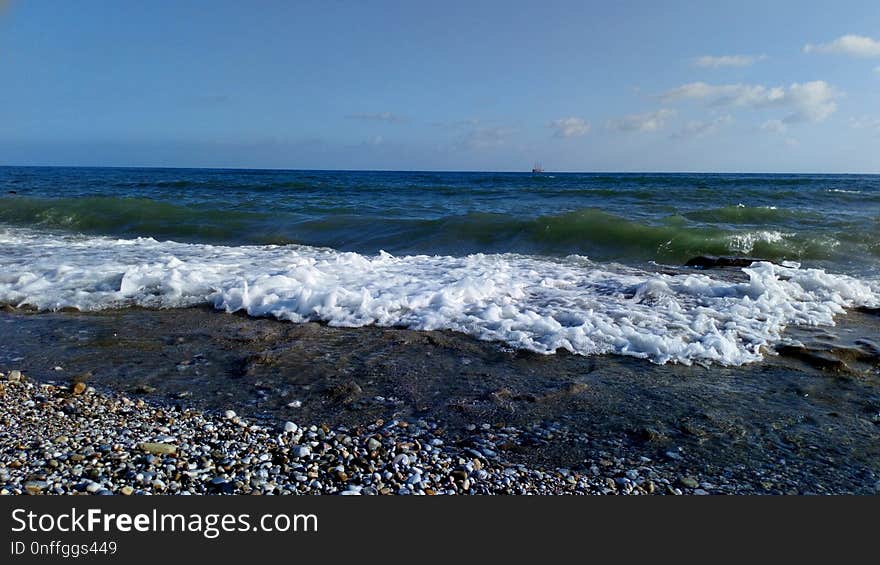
{"x": 81, "y": 378}
{"x": 713, "y": 262}
{"x": 78, "y": 387}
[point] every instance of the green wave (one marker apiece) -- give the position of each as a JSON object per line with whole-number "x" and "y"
{"x": 609, "y": 235}
{"x": 589, "y": 231}
{"x": 757, "y": 215}
{"x": 127, "y": 216}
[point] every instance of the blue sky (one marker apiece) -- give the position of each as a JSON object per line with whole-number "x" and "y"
{"x": 582, "y": 86}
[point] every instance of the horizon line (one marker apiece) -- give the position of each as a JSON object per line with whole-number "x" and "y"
{"x": 480, "y": 171}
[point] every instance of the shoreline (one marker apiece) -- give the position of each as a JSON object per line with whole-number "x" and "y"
{"x": 804, "y": 422}
{"x": 57, "y": 440}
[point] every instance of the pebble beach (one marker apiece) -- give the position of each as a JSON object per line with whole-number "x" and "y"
{"x": 75, "y": 439}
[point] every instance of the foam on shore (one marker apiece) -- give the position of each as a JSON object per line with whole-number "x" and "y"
{"x": 538, "y": 304}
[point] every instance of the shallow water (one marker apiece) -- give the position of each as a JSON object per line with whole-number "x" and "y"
{"x": 788, "y": 424}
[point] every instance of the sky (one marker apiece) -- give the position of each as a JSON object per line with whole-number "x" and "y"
{"x": 746, "y": 86}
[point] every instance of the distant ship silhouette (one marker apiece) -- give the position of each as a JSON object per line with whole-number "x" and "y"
{"x": 537, "y": 168}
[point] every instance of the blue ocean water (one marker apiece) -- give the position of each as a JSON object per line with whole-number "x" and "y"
{"x": 588, "y": 263}
{"x": 825, "y": 220}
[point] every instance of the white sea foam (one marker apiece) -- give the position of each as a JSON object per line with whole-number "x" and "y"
{"x": 844, "y": 191}
{"x": 533, "y": 303}
{"x": 745, "y": 242}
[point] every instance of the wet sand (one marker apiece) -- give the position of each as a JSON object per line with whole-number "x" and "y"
{"x": 807, "y": 421}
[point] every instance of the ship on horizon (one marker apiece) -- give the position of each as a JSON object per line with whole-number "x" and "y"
{"x": 537, "y": 168}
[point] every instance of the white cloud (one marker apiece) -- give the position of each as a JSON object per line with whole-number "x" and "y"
{"x": 855, "y": 45}
{"x": 807, "y": 102}
{"x": 701, "y": 128}
{"x": 715, "y": 62}
{"x": 650, "y": 121}
{"x": 877, "y": 69}
{"x": 570, "y": 127}
{"x": 374, "y": 140}
{"x": 774, "y": 126}
{"x": 378, "y": 117}
{"x": 813, "y": 101}
{"x": 726, "y": 94}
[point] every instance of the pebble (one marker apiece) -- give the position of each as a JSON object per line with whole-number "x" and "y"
{"x": 689, "y": 482}
{"x": 35, "y": 487}
{"x": 301, "y": 451}
{"x": 148, "y": 448}
{"x": 158, "y": 448}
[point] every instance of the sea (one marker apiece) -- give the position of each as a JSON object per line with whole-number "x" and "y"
{"x": 588, "y": 263}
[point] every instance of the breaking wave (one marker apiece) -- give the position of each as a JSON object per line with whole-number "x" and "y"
{"x": 539, "y": 304}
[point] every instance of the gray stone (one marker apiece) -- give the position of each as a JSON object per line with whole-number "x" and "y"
{"x": 689, "y": 482}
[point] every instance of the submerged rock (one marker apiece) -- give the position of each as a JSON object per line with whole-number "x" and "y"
{"x": 835, "y": 358}
{"x": 713, "y": 262}
{"x": 346, "y": 393}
